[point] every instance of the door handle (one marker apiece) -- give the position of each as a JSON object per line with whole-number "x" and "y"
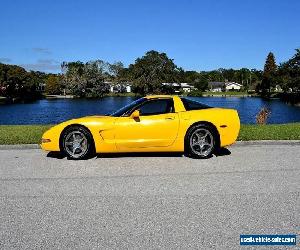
{"x": 170, "y": 118}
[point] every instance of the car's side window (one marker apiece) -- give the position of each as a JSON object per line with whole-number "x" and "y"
{"x": 158, "y": 106}
{"x": 193, "y": 105}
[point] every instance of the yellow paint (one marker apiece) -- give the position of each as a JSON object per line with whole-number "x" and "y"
{"x": 155, "y": 133}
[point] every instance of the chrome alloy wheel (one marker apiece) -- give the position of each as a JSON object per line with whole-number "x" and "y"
{"x": 76, "y": 144}
{"x": 202, "y": 142}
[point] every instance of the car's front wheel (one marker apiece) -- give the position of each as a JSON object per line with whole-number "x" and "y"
{"x": 77, "y": 143}
{"x": 200, "y": 141}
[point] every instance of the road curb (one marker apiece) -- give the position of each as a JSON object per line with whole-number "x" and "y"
{"x": 238, "y": 143}
{"x": 267, "y": 142}
{"x": 20, "y": 146}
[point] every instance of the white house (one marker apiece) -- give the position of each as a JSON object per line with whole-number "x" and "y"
{"x": 185, "y": 87}
{"x": 277, "y": 88}
{"x": 123, "y": 87}
{"x": 224, "y": 86}
{"x": 128, "y": 88}
{"x": 233, "y": 86}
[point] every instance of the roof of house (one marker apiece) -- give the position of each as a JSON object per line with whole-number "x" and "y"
{"x": 222, "y": 84}
{"x": 233, "y": 83}
{"x": 118, "y": 83}
{"x": 175, "y": 84}
{"x": 185, "y": 85}
{"x": 216, "y": 84}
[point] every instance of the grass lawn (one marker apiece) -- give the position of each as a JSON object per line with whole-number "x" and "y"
{"x": 22, "y": 134}
{"x": 290, "y": 131}
{"x": 122, "y": 94}
{"x": 31, "y": 134}
{"x": 228, "y": 93}
{"x": 2, "y": 99}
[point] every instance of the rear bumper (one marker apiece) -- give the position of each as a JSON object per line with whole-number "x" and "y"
{"x": 229, "y": 134}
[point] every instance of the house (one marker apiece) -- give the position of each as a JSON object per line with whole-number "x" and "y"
{"x": 233, "y": 86}
{"x": 185, "y": 87}
{"x": 41, "y": 87}
{"x": 224, "y": 86}
{"x": 277, "y": 88}
{"x": 122, "y": 87}
{"x": 216, "y": 86}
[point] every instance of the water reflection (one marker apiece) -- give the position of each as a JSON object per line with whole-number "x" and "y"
{"x": 55, "y": 111}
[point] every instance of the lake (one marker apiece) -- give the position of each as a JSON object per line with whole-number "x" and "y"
{"x": 58, "y": 110}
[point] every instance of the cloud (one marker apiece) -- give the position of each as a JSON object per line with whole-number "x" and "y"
{"x": 5, "y": 60}
{"x": 48, "y": 61}
{"x": 46, "y": 65}
{"x": 41, "y": 50}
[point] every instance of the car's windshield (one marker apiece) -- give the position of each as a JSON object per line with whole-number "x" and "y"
{"x": 128, "y": 107}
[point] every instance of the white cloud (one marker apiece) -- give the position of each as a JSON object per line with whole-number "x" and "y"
{"x": 41, "y": 50}
{"x": 47, "y": 65}
{"x": 5, "y": 60}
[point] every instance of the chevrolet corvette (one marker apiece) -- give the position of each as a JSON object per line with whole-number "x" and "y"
{"x": 158, "y": 123}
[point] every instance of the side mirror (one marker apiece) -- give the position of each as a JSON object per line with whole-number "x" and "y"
{"x": 135, "y": 114}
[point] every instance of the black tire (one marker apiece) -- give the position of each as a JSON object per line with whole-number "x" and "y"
{"x": 212, "y": 139}
{"x": 84, "y": 150}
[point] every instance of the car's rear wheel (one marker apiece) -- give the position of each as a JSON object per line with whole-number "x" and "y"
{"x": 77, "y": 143}
{"x": 200, "y": 141}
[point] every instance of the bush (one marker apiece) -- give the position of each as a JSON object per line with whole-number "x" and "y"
{"x": 195, "y": 93}
{"x": 263, "y": 115}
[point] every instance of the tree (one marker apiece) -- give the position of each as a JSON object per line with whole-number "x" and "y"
{"x": 191, "y": 76}
{"x": 116, "y": 70}
{"x": 53, "y": 85}
{"x": 16, "y": 82}
{"x": 201, "y": 83}
{"x": 289, "y": 73}
{"x": 86, "y": 79}
{"x": 73, "y": 78}
{"x": 255, "y": 79}
{"x": 269, "y": 74}
{"x": 244, "y": 77}
{"x": 229, "y": 74}
{"x": 148, "y": 72}
{"x": 95, "y": 75}
{"x": 215, "y": 76}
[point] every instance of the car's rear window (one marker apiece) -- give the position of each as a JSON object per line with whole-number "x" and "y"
{"x": 193, "y": 105}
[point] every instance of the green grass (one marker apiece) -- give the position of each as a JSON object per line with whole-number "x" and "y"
{"x": 22, "y": 134}
{"x": 2, "y": 99}
{"x": 229, "y": 93}
{"x": 290, "y": 131}
{"x": 32, "y": 134}
{"x": 122, "y": 94}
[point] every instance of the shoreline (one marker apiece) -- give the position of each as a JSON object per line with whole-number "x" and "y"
{"x": 5, "y": 100}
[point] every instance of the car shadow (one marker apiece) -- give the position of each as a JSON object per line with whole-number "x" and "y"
{"x": 147, "y": 154}
{"x": 56, "y": 155}
{"x": 219, "y": 152}
{"x": 222, "y": 152}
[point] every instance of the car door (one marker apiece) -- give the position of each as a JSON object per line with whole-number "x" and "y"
{"x": 157, "y": 126}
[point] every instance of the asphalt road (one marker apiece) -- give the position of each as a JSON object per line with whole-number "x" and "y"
{"x": 148, "y": 201}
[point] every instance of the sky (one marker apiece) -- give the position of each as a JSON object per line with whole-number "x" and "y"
{"x": 198, "y": 35}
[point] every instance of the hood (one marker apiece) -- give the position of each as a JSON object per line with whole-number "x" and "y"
{"x": 92, "y": 119}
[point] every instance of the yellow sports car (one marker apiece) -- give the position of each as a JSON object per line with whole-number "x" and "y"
{"x": 158, "y": 123}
